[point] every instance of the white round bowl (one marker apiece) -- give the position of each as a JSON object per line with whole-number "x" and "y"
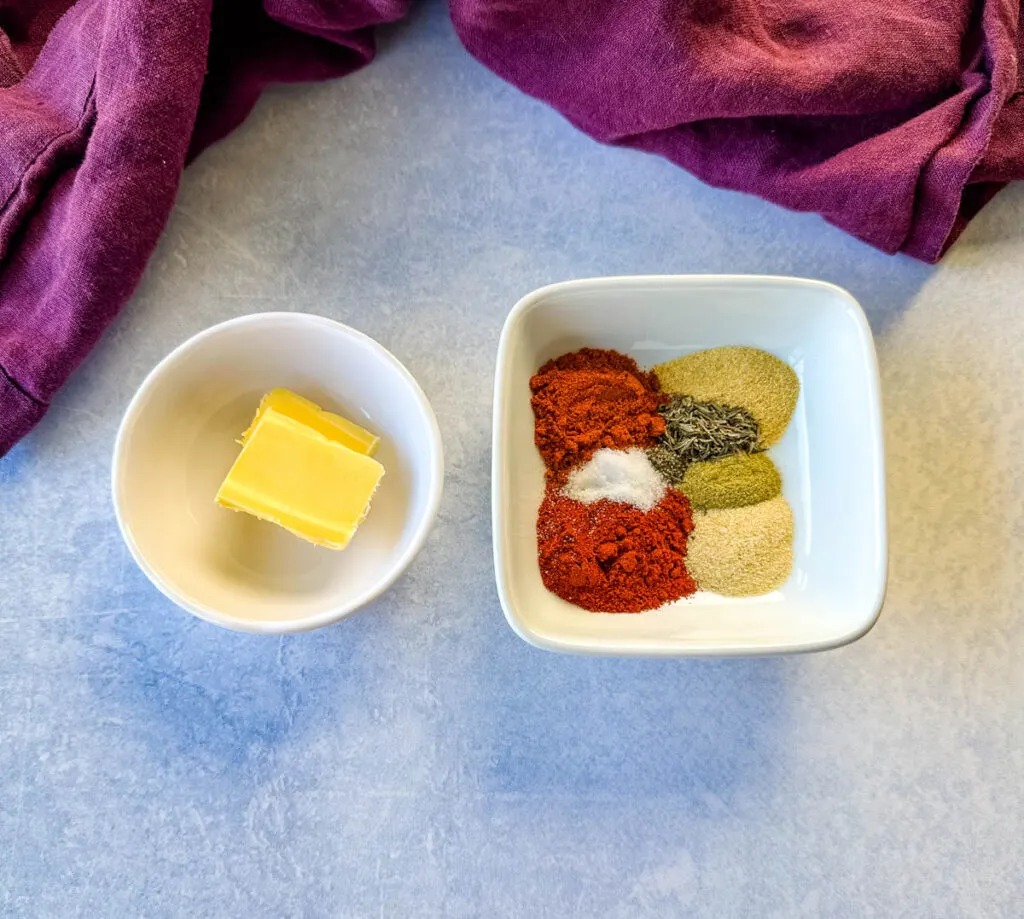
{"x": 177, "y": 441}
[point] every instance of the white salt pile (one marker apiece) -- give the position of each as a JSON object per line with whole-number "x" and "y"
{"x": 625, "y": 476}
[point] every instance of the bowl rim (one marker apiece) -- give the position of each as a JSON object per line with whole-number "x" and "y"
{"x": 277, "y": 627}
{"x": 630, "y": 648}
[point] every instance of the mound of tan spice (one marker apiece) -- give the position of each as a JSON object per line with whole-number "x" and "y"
{"x": 742, "y": 551}
{"x": 747, "y": 377}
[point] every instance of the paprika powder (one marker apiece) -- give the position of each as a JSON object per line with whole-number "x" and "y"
{"x": 590, "y": 399}
{"x": 614, "y": 558}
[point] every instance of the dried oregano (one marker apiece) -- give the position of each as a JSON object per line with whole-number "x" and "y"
{"x": 732, "y": 481}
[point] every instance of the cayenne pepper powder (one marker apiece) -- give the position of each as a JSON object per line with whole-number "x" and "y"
{"x": 590, "y": 399}
{"x": 613, "y": 558}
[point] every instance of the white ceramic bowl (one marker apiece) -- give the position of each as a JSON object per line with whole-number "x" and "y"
{"x": 831, "y": 459}
{"x": 178, "y": 440}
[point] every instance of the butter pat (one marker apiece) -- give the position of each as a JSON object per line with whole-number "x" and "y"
{"x": 292, "y": 474}
{"x": 332, "y": 426}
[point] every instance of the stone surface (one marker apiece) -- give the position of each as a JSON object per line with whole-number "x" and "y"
{"x": 419, "y": 759}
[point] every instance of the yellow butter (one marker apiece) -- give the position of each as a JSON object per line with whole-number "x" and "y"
{"x": 293, "y": 475}
{"x": 332, "y": 426}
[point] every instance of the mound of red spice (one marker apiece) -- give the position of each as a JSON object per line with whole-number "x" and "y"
{"x": 590, "y": 399}
{"x": 614, "y": 558}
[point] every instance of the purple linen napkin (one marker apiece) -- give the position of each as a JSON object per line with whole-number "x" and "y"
{"x": 94, "y": 133}
{"x": 876, "y": 114}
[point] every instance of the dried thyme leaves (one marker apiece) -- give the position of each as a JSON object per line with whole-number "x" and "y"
{"x": 698, "y": 431}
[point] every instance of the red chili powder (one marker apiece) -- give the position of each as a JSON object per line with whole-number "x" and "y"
{"x": 613, "y": 558}
{"x": 591, "y": 399}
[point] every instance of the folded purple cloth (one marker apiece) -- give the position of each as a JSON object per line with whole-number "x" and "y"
{"x": 894, "y": 119}
{"x": 94, "y": 133}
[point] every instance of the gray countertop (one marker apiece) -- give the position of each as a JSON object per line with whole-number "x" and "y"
{"x": 419, "y": 759}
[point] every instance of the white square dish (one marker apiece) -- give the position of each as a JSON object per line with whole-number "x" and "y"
{"x": 831, "y": 459}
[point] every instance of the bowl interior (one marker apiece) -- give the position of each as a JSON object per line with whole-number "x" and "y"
{"x": 830, "y": 459}
{"x": 178, "y": 441}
